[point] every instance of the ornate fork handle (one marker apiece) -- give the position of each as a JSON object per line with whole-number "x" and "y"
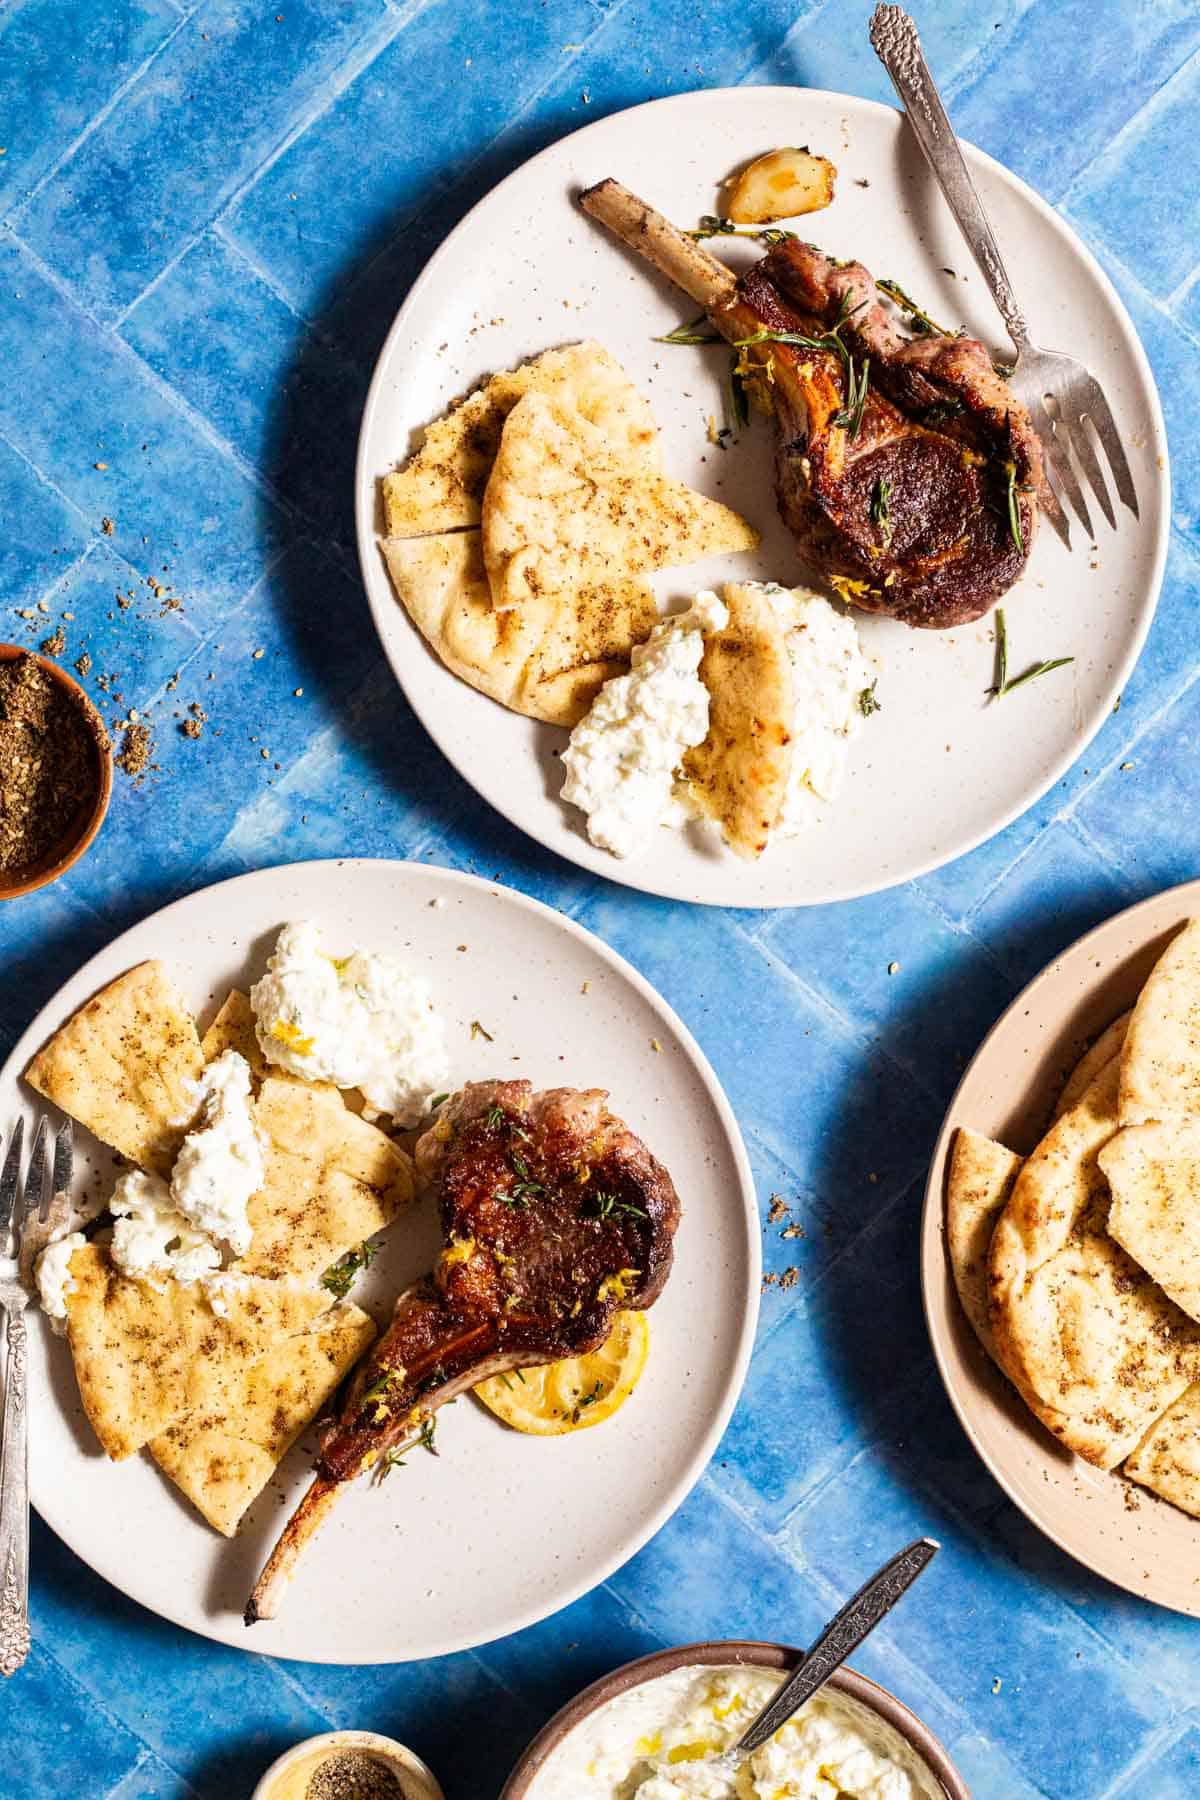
{"x": 14, "y": 1503}
{"x": 895, "y": 40}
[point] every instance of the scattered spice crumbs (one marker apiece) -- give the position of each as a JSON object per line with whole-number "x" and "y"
{"x": 55, "y": 645}
{"x": 107, "y": 527}
{"x": 478, "y": 1030}
{"x": 777, "y": 1210}
{"x": 656, "y": 1046}
{"x": 137, "y": 748}
{"x": 83, "y": 663}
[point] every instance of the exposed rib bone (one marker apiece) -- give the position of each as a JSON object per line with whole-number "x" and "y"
{"x": 677, "y": 256}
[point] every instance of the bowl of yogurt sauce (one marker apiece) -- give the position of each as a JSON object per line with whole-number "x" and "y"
{"x": 651, "y": 1731}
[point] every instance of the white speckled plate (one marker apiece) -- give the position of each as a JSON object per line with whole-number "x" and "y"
{"x": 499, "y": 1530}
{"x": 1111, "y": 1525}
{"x": 938, "y": 770}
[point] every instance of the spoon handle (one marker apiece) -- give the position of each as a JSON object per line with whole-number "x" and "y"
{"x": 841, "y": 1636}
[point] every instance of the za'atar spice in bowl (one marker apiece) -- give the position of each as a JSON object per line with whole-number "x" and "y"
{"x": 55, "y": 771}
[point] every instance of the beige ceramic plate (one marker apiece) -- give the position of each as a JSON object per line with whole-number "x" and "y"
{"x": 1009, "y": 1092}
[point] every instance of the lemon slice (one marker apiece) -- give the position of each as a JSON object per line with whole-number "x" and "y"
{"x": 577, "y": 1392}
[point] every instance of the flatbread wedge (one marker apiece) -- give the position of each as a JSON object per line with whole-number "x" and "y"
{"x": 123, "y": 1067}
{"x": 562, "y": 510}
{"x": 1167, "y": 1461}
{"x": 978, "y": 1185}
{"x": 548, "y": 659}
{"x": 331, "y": 1180}
{"x": 223, "y": 1456}
{"x": 1096, "y": 1347}
{"x": 1160, "y": 1063}
{"x": 147, "y": 1355}
{"x": 233, "y": 1029}
{"x": 1154, "y": 1174}
{"x": 441, "y": 487}
{"x": 1105, "y": 1047}
{"x": 739, "y": 775}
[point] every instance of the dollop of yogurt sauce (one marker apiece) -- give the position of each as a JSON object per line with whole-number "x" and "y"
{"x": 220, "y": 1162}
{"x": 151, "y": 1238}
{"x": 54, "y": 1277}
{"x": 625, "y": 752}
{"x": 363, "y": 1021}
{"x": 659, "y": 1742}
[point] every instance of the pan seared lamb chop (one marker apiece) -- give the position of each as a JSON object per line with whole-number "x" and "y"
{"x": 554, "y": 1217}
{"x": 905, "y": 470}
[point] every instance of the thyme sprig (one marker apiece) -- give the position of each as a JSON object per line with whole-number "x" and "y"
{"x": 690, "y": 333}
{"x": 919, "y": 319}
{"x": 601, "y": 1205}
{"x": 867, "y": 703}
{"x": 524, "y": 1189}
{"x": 850, "y": 416}
{"x": 397, "y": 1458}
{"x": 1002, "y": 685}
{"x": 881, "y": 509}
{"x": 711, "y": 226}
{"x": 341, "y": 1277}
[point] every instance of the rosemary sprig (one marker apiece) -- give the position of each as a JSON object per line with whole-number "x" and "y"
{"x": 711, "y": 226}
{"x": 438, "y": 1100}
{"x": 941, "y": 410}
{"x": 850, "y": 416}
{"x": 1002, "y": 684}
{"x": 867, "y": 703}
{"x": 1014, "y": 505}
{"x": 523, "y": 1189}
{"x": 830, "y": 340}
{"x": 689, "y": 333}
{"x": 341, "y": 1277}
{"x": 493, "y": 1118}
{"x": 608, "y": 1206}
{"x": 738, "y": 402}
{"x": 918, "y": 317}
{"x": 881, "y": 509}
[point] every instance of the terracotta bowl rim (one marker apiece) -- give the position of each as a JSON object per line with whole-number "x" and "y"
{"x": 69, "y": 851}
{"x": 717, "y": 1651}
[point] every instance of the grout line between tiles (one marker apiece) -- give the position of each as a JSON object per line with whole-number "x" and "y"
{"x": 1113, "y": 146}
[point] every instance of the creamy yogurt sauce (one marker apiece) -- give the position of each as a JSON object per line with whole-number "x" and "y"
{"x": 361, "y": 1021}
{"x": 658, "y": 1741}
{"x": 220, "y": 1162}
{"x": 625, "y": 752}
{"x": 54, "y": 1276}
{"x": 151, "y": 1239}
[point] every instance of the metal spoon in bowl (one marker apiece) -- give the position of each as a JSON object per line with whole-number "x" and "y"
{"x": 843, "y": 1634}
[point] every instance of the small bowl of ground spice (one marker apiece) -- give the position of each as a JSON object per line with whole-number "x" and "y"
{"x": 349, "y": 1765}
{"x": 55, "y": 771}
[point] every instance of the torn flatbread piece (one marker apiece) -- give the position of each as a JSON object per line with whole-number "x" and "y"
{"x": 223, "y": 1455}
{"x": 739, "y": 775}
{"x": 1153, "y": 1172}
{"x": 1095, "y": 1345}
{"x": 1160, "y": 1062}
{"x": 1167, "y": 1461}
{"x": 234, "y": 1029}
{"x": 147, "y": 1354}
{"x": 124, "y": 1066}
{"x": 331, "y": 1180}
{"x": 1102, "y": 1051}
{"x": 978, "y": 1186}
{"x": 547, "y": 660}
{"x": 563, "y": 510}
{"x": 441, "y": 487}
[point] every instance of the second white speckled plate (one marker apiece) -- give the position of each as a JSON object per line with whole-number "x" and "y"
{"x": 938, "y": 770}
{"x": 499, "y": 1529}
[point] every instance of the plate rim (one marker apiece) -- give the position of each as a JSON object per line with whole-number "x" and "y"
{"x": 933, "y": 1258}
{"x": 735, "y": 1375}
{"x": 579, "y": 851}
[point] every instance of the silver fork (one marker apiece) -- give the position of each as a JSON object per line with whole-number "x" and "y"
{"x": 18, "y": 1205}
{"x": 1042, "y": 379}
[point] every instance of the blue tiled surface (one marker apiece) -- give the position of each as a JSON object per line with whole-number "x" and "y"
{"x": 208, "y": 214}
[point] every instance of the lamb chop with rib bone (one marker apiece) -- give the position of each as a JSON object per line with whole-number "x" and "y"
{"x": 907, "y": 473}
{"x": 554, "y": 1216}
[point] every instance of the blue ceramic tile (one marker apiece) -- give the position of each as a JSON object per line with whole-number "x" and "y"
{"x": 989, "y": 1774}
{"x": 1057, "y": 86}
{"x": 551, "y": 1662}
{"x": 285, "y": 399}
{"x": 1007, "y": 1652}
{"x": 44, "y": 1718}
{"x": 46, "y": 936}
{"x": 48, "y": 98}
{"x": 926, "y": 991}
{"x": 1157, "y": 236}
{"x": 801, "y": 1235}
{"x": 418, "y": 129}
{"x": 195, "y": 123}
{"x": 1057, "y": 892}
{"x": 43, "y": 536}
{"x": 173, "y": 498}
{"x": 827, "y": 49}
{"x": 1174, "y": 1774}
{"x": 822, "y": 1383}
{"x": 152, "y": 1780}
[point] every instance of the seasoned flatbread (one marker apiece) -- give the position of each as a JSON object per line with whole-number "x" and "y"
{"x": 1097, "y": 1348}
{"x": 222, "y": 1456}
{"x": 548, "y": 659}
{"x": 123, "y": 1066}
{"x": 1160, "y": 1063}
{"x": 978, "y": 1186}
{"x": 441, "y": 487}
{"x": 562, "y": 509}
{"x": 330, "y": 1180}
{"x": 1154, "y": 1174}
{"x": 1106, "y": 1046}
{"x": 233, "y": 1029}
{"x": 146, "y": 1355}
{"x": 1167, "y": 1461}
{"x": 739, "y": 774}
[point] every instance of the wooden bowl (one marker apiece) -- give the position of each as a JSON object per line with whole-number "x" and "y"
{"x": 846, "y": 1683}
{"x": 90, "y": 814}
